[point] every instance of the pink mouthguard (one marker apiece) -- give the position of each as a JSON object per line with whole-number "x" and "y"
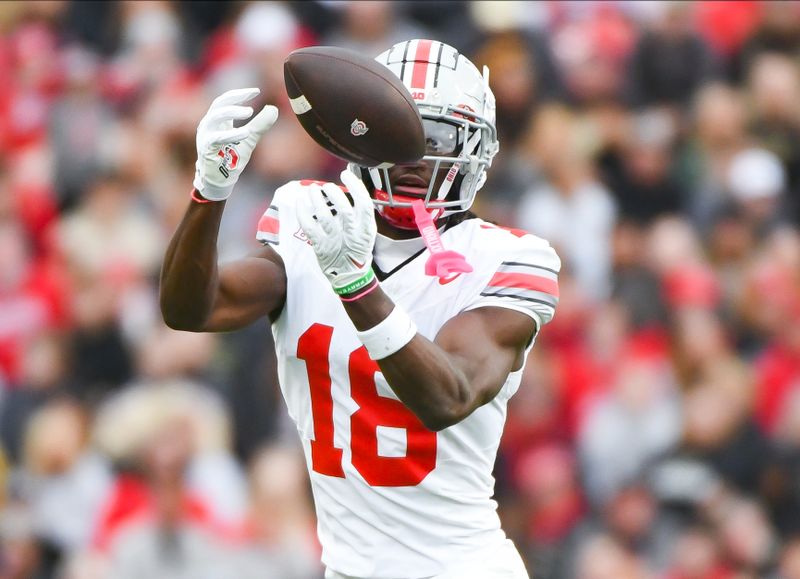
{"x": 443, "y": 263}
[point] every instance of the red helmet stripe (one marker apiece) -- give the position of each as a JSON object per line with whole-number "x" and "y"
{"x": 421, "y": 59}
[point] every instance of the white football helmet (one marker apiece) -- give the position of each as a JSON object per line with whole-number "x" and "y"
{"x": 458, "y": 112}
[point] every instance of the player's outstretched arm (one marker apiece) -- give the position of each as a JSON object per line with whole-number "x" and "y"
{"x": 443, "y": 381}
{"x": 195, "y": 294}
{"x": 198, "y": 296}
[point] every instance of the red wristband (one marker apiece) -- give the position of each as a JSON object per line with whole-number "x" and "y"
{"x": 198, "y": 198}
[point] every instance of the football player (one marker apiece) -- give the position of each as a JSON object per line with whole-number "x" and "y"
{"x": 397, "y": 381}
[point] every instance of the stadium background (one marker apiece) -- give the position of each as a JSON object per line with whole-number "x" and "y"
{"x": 656, "y": 145}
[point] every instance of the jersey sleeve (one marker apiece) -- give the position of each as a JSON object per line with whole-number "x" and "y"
{"x": 269, "y": 226}
{"x": 279, "y": 222}
{"x": 526, "y": 281}
{"x": 278, "y": 225}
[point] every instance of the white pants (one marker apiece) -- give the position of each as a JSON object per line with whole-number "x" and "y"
{"x": 500, "y": 562}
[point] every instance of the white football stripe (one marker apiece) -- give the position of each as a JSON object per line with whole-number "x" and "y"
{"x": 300, "y": 105}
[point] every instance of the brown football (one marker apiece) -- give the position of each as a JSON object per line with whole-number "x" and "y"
{"x": 353, "y": 106}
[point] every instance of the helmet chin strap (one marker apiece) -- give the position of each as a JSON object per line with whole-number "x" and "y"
{"x": 442, "y": 263}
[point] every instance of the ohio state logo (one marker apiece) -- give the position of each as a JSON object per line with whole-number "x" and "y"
{"x": 463, "y": 107}
{"x": 301, "y": 235}
{"x": 230, "y": 159}
{"x": 358, "y": 128}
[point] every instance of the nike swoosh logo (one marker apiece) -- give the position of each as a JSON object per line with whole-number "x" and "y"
{"x": 358, "y": 265}
{"x": 449, "y": 279}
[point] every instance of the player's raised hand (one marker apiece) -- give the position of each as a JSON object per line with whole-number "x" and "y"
{"x": 342, "y": 234}
{"x": 222, "y": 150}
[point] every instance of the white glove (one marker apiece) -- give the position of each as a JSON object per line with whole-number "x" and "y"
{"x": 222, "y": 150}
{"x": 341, "y": 234}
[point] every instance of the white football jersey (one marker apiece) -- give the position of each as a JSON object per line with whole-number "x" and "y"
{"x": 393, "y": 499}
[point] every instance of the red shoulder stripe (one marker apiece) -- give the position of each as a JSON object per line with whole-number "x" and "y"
{"x": 511, "y": 230}
{"x": 268, "y": 224}
{"x": 525, "y": 281}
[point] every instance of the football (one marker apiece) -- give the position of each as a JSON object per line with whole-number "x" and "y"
{"x": 353, "y": 106}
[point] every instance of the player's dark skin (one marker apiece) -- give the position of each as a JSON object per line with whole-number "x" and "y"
{"x": 442, "y": 381}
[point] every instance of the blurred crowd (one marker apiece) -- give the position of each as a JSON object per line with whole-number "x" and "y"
{"x": 655, "y": 144}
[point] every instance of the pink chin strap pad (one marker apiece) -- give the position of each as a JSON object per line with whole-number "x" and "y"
{"x": 443, "y": 263}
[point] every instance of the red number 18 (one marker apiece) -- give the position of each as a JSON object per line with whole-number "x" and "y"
{"x": 374, "y": 410}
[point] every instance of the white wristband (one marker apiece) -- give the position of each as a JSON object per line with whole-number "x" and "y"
{"x": 389, "y": 336}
